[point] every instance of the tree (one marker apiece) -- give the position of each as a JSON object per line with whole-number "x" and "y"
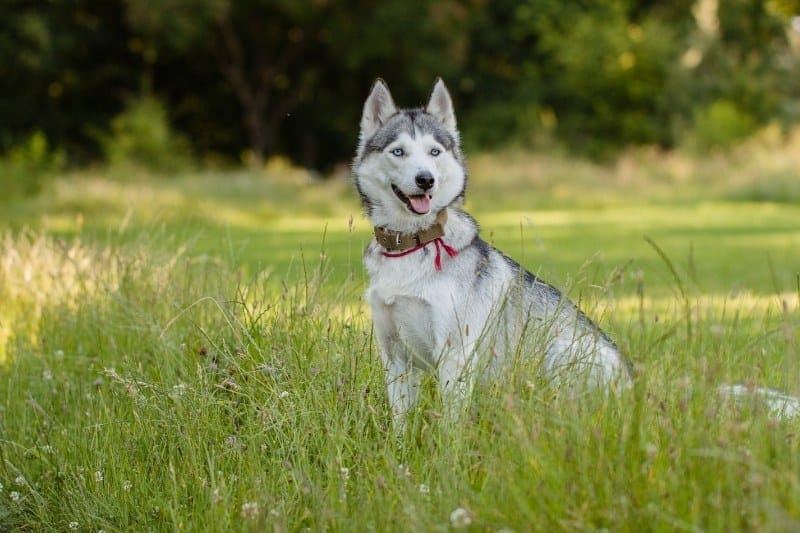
{"x": 65, "y": 68}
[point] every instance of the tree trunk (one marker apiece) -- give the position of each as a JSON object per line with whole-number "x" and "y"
{"x": 261, "y": 111}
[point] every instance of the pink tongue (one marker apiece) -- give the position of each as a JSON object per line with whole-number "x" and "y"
{"x": 420, "y": 204}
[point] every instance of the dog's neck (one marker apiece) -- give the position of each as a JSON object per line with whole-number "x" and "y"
{"x": 395, "y": 241}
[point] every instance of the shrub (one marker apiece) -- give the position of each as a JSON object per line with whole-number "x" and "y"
{"x": 721, "y": 124}
{"x": 25, "y": 167}
{"x": 141, "y": 136}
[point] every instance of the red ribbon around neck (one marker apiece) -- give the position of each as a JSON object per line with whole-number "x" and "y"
{"x": 437, "y": 260}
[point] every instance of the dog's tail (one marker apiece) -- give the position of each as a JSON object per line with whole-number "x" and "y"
{"x": 779, "y": 405}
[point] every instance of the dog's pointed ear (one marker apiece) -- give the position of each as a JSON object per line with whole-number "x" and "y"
{"x": 377, "y": 109}
{"x": 440, "y": 105}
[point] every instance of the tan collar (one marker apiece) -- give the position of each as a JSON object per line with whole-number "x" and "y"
{"x": 395, "y": 241}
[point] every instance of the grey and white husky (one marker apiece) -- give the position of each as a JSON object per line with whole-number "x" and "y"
{"x": 442, "y": 299}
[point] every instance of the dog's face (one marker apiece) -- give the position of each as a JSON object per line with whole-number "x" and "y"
{"x": 409, "y": 164}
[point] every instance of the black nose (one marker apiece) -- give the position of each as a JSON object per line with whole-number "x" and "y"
{"x": 424, "y": 180}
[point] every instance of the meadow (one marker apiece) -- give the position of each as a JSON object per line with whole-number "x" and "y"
{"x": 192, "y": 353}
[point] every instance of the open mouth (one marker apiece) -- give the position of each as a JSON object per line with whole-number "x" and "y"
{"x": 419, "y": 204}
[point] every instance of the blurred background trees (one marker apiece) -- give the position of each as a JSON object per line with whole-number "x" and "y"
{"x": 162, "y": 82}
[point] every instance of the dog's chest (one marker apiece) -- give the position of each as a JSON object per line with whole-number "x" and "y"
{"x": 413, "y": 308}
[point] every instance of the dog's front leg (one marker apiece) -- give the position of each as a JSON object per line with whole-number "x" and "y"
{"x": 456, "y": 377}
{"x": 402, "y": 384}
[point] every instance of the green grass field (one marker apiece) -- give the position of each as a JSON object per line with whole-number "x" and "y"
{"x": 193, "y": 354}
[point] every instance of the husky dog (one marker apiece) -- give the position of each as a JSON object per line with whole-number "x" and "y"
{"x": 442, "y": 299}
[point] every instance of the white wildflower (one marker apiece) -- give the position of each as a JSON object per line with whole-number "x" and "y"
{"x": 98, "y": 476}
{"x": 345, "y": 472}
{"x": 284, "y": 394}
{"x": 14, "y": 495}
{"x": 460, "y": 518}
{"x": 250, "y": 510}
{"x": 59, "y": 355}
{"x": 47, "y": 375}
{"x": 20, "y": 480}
{"x": 1, "y": 487}
{"x": 424, "y": 489}
{"x": 177, "y": 391}
{"x": 73, "y": 525}
{"x": 126, "y": 485}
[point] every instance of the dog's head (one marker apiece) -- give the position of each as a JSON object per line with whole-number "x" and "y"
{"x": 409, "y": 165}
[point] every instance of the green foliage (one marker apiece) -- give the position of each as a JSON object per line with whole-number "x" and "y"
{"x": 65, "y": 69}
{"x": 141, "y": 136}
{"x": 284, "y": 77}
{"x": 720, "y": 125}
{"x": 25, "y": 168}
{"x": 626, "y": 63}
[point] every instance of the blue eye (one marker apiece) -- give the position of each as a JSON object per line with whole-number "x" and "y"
{"x": 398, "y": 152}
{"x": 435, "y": 152}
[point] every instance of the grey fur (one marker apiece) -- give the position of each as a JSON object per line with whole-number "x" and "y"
{"x": 410, "y": 121}
{"x": 465, "y": 314}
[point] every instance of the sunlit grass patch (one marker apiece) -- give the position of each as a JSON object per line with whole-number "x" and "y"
{"x": 39, "y": 272}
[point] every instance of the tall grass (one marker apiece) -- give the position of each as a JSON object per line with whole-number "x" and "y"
{"x": 152, "y": 390}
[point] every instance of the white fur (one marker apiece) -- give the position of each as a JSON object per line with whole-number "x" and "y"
{"x": 471, "y": 317}
{"x": 385, "y": 171}
{"x": 481, "y": 310}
